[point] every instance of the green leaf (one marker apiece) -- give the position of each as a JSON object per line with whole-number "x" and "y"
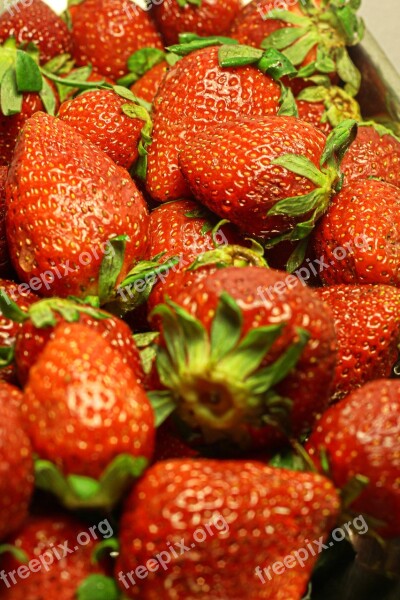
{"x": 226, "y": 327}
{"x": 10, "y": 310}
{"x": 27, "y": 73}
{"x": 138, "y": 112}
{"x": 298, "y": 205}
{"x": 282, "y": 38}
{"x": 130, "y": 96}
{"x": 42, "y": 315}
{"x": 143, "y": 60}
{"x": 18, "y": 554}
{"x": 276, "y": 64}
{"x": 79, "y": 75}
{"x": 48, "y": 98}
{"x": 351, "y": 25}
{"x": 287, "y": 17}
{"x": 288, "y": 106}
{"x": 163, "y": 404}
{"x": 316, "y": 93}
{"x": 238, "y": 56}
{"x": 195, "y": 337}
{"x": 299, "y": 50}
{"x": 191, "y": 42}
{"x": 105, "y": 548}
{"x": 7, "y": 57}
{"x": 172, "y": 335}
{"x": 303, "y": 166}
{"x": 353, "y": 489}
{"x": 99, "y": 587}
{"x": 10, "y": 98}
{"x": 6, "y": 356}
{"x": 348, "y": 72}
{"x": 298, "y": 255}
{"x": 111, "y": 267}
{"x": 288, "y": 460}
{"x": 339, "y": 141}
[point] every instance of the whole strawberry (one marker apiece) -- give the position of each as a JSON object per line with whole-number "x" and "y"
{"x": 107, "y": 41}
{"x": 205, "y": 18}
{"x": 358, "y": 238}
{"x": 35, "y": 21}
{"x": 102, "y": 117}
{"x": 16, "y": 462}
{"x": 359, "y": 436}
{"x": 287, "y": 173}
{"x": 59, "y": 549}
{"x": 375, "y": 153}
{"x": 202, "y": 525}
{"x": 59, "y": 229}
{"x": 367, "y": 325}
{"x": 246, "y": 353}
{"x": 81, "y": 389}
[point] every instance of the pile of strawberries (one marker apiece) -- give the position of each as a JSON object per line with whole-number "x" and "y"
{"x": 200, "y": 304}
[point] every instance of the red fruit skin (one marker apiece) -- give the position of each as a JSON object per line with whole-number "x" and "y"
{"x": 372, "y": 155}
{"x": 16, "y": 463}
{"x": 50, "y": 534}
{"x": 147, "y": 86}
{"x": 208, "y": 19}
{"x": 5, "y": 265}
{"x": 367, "y": 325}
{"x": 361, "y": 436}
{"x": 177, "y": 500}
{"x": 31, "y": 341}
{"x": 9, "y": 329}
{"x": 81, "y": 389}
{"x": 35, "y": 21}
{"x": 312, "y": 112}
{"x": 229, "y": 169}
{"x": 310, "y": 383}
{"x": 11, "y": 126}
{"x": 170, "y": 445}
{"x": 79, "y": 201}
{"x": 98, "y": 116}
{"x": 208, "y": 95}
{"x": 358, "y": 237}
{"x": 118, "y": 30}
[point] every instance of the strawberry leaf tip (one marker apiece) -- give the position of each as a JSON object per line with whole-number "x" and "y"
{"x": 190, "y": 42}
{"x": 140, "y": 62}
{"x": 270, "y": 61}
{"x": 16, "y": 553}
{"x": 231, "y": 255}
{"x": 6, "y": 356}
{"x": 107, "y": 547}
{"x": 217, "y": 380}
{"x": 79, "y": 492}
{"x": 98, "y": 586}
{"x": 111, "y": 266}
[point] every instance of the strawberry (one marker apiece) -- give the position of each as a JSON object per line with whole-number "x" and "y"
{"x": 359, "y": 436}
{"x": 147, "y": 86}
{"x": 81, "y": 388}
{"x": 23, "y": 297}
{"x": 16, "y": 463}
{"x": 367, "y": 325}
{"x": 108, "y": 121}
{"x": 358, "y": 238}
{"x": 238, "y": 361}
{"x": 169, "y": 444}
{"x": 326, "y": 107}
{"x": 208, "y": 94}
{"x": 60, "y": 229}
{"x": 204, "y": 17}
{"x": 35, "y": 21}
{"x": 375, "y": 153}
{"x": 59, "y": 549}
{"x": 287, "y": 173}
{"x": 313, "y": 34}
{"x": 214, "y": 525}
{"x": 5, "y": 266}
{"x": 107, "y": 41}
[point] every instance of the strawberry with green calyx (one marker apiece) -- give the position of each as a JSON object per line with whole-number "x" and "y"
{"x": 16, "y": 470}
{"x": 234, "y": 518}
{"x": 358, "y": 237}
{"x": 359, "y": 436}
{"x": 204, "y": 17}
{"x": 208, "y": 94}
{"x": 36, "y": 22}
{"x": 285, "y": 186}
{"x": 314, "y": 35}
{"x": 367, "y": 325}
{"x": 66, "y": 570}
{"x": 231, "y": 370}
{"x": 61, "y": 251}
{"x": 81, "y": 389}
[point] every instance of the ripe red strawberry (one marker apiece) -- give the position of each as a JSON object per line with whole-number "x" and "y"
{"x": 208, "y": 94}
{"x": 255, "y": 316}
{"x": 11, "y": 125}
{"x": 325, "y": 107}
{"x": 358, "y": 238}
{"x": 205, "y": 18}
{"x": 16, "y": 463}
{"x": 23, "y": 297}
{"x": 5, "y": 266}
{"x": 367, "y": 325}
{"x": 360, "y": 436}
{"x": 81, "y": 389}
{"x": 375, "y": 153}
{"x": 147, "y": 86}
{"x": 59, "y": 229}
{"x": 35, "y": 21}
{"x": 220, "y": 525}
{"x": 102, "y": 117}
{"x": 59, "y": 549}
{"x": 271, "y": 176}
{"x": 38, "y": 327}
{"x": 107, "y": 41}
{"x": 313, "y": 35}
